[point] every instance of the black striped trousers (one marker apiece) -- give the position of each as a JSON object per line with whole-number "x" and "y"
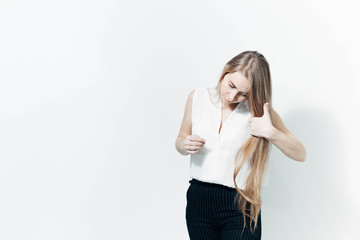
{"x": 211, "y": 213}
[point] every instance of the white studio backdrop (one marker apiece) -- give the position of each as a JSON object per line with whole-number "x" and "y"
{"x": 93, "y": 93}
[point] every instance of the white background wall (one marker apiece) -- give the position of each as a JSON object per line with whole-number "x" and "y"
{"x": 92, "y": 96}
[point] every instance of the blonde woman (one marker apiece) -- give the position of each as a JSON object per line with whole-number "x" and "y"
{"x": 227, "y": 130}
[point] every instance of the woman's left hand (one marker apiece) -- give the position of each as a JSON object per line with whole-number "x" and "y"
{"x": 262, "y": 126}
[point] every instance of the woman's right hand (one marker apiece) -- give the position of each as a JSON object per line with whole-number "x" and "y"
{"x": 193, "y": 143}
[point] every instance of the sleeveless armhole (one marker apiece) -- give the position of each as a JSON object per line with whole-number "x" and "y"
{"x": 193, "y": 107}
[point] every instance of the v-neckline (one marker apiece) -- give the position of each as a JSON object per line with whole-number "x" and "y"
{"x": 218, "y": 106}
{"x": 223, "y": 124}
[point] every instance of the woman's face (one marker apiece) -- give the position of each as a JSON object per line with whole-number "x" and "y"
{"x": 233, "y": 88}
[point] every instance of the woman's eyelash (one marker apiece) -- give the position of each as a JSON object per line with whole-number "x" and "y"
{"x": 234, "y": 87}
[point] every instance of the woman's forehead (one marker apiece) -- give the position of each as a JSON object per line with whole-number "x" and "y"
{"x": 239, "y": 80}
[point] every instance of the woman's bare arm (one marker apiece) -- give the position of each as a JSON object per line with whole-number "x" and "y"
{"x": 186, "y": 125}
{"x": 283, "y": 139}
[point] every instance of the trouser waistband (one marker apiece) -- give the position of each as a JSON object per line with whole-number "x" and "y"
{"x": 213, "y": 185}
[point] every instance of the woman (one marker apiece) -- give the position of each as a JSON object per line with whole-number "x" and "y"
{"x": 228, "y": 130}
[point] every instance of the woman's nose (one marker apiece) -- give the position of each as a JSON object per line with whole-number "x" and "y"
{"x": 232, "y": 97}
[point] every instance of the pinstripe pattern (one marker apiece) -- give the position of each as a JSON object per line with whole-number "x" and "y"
{"x": 211, "y": 213}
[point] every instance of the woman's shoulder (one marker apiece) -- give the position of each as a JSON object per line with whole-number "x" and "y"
{"x": 202, "y": 93}
{"x": 205, "y": 90}
{"x": 196, "y": 91}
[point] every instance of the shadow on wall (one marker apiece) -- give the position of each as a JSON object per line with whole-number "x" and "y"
{"x": 311, "y": 192}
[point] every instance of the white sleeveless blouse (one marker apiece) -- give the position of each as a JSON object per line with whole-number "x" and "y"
{"x": 215, "y": 162}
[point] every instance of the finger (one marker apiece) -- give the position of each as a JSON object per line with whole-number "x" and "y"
{"x": 194, "y": 151}
{"x": 198, "y": 144}
{"x": 251, "y": 132}
{"x": 194, "y": 145}
{"x": 190, "y": 147}
{"x": 266, "y": 109}
{"x": 201, "y": 140}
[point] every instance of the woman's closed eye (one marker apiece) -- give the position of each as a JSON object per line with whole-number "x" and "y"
{"x": 242, "y": 94}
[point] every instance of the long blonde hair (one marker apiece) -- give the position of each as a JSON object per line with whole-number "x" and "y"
{"x": 256, "y": 69}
